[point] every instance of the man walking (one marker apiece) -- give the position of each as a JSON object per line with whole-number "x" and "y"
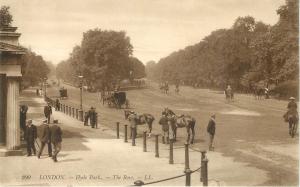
{"x": 56, "y": 139}
{"x": 133, "y": 124}
{"x": 30, "y": 137}
{"x": 211, "y": 128}
{"x": 57, "y": 105}
{"x": 45, "y": 139}
{"x": 93, "y": 117}
{"x": 48, "y": 112}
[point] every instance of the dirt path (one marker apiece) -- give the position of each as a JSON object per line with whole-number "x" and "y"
{"x": 248, "y": 130}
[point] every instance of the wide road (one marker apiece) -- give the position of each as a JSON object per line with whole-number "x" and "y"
{"x": 249, "y": 130}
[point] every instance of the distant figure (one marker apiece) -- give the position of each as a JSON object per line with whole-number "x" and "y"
{"x": 211, "y": 129}
{"x": 56, "y": 139}
{"x": 48, "y": 112}
{"x": 30, "y": 137}
{"x": 93, "y": 117}
{"x": 45, "y": 139}
{"x": 133, "y": 123}
{"x": 267, "y": 93}
{"x": 23, "y": 114}
{"x": 57, "y": 105}
{"x": 86, "y": 118}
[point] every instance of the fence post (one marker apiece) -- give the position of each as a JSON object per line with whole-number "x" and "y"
{"x": 187, "y": 170}
{"x": 96, "y": 120}
{"x": 67, "y": 109}
{"x": 145, "y": 141}
{"x": 70, "y": 111}
{"x": 61, "y": 107}
{"x": 118, "y": 129}
{"x": 73, "y": 112}
{"x": 125, "y": 133}
{"x": 163, "y": 139}
{"x": 76, "y": 113}
{"x": 133, "y": 130}
{"x": 156, "y": 146}
{"x": 171, "y": 160}
{"x": 80, "y": 115}
{"x": 202, "y": 167}
{"x": 205, "y": 172}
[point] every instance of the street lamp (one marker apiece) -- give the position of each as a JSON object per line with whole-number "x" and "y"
{"x": 45, "y": 87}
{"x": 80, "y": 109}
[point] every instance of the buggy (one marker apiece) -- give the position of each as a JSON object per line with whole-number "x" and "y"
{"x": 117, "y": 100}
{"x": 63, "y": 93}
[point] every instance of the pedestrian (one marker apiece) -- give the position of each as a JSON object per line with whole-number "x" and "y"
{"x": 56, "y": 139}
{"x": 57, "y": 105}
{"x": 45, "y": 139}
{"x": 23, "y": 114}
{"x": 93, "y": 117}
{"x": 133, "y": 124}
{"x": 48, "y": 112}
{"x": 30, "y": 137}
{"x": 211, "y": 129}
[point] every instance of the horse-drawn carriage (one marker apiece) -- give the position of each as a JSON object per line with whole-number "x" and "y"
{"x": 63, "y": 93}
{"x": 117, "y": 100}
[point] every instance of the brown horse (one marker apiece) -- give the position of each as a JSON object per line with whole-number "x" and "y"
{"x": 180, "y": 122}
{"x": 142, "y": 119}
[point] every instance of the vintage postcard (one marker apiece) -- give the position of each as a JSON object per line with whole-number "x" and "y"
{"x": 149, "y": 92}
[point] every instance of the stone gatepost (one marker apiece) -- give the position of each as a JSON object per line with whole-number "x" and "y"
{"x": 10, "y": 76}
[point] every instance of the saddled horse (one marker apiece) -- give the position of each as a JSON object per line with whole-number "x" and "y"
{"x": 293, "y": 120}
{"x": 142, "y": 119}
{"x": 180, "y": 122}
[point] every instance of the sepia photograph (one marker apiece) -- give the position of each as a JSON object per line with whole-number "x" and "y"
{"x": 149, "y": 93}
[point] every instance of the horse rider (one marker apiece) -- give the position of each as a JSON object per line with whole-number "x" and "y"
{"x": 292, "y": 111}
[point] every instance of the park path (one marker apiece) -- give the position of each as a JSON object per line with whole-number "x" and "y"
{"x": 95, "y": 157}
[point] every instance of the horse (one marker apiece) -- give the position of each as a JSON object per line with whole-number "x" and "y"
{"x": 229, "y": 94}
{"x": 144, "y": 118}
{"x": 258, "y": 93}
{"x": 180, "y": 122}
{"x": 292, "y": 119}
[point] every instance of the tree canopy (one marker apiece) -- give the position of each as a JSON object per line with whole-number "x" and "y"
{"x": 5, "y": 16}
{"x": 249, "y": 53}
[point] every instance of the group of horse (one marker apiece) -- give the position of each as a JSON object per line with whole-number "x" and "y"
{"x": 164, "y": 88}
{"x": 170, "y": 122}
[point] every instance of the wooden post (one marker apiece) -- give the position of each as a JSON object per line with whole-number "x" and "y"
{"x": 118, "y": 129}
{"x": 156, "y": 145}
{"x": 187, "y": 170}
{"x": 73, "y": 112}
{"x": 133, "y": 130}
{"x": 163, "y": 139}
{"x": 145, "y": 141}
{"x": 125, "y": 133}
{"x": 96, "y": 120}
{"x": 76, "y": 113}
{"x": 171, "y": 160}
{"x": 70, "y": 111}
{"x": 205, "y": 172}
{"x": 61, "y": 107}
{"x": 67, "y": 110}
{"x": 202, "y": 167}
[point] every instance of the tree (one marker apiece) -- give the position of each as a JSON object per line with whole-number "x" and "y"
{"x": 5, "y": 16}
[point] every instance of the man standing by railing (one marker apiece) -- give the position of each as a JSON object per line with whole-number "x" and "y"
{"x": 211, "y": 129}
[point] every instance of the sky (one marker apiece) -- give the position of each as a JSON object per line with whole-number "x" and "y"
{"x": 156, "y": 28}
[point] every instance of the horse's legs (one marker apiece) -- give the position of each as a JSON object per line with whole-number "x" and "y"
{"x": 193, "y": 133}
{"x": 149, "y": 128}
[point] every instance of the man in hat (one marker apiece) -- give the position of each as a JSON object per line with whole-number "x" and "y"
{"x": 57, "y": 105}
{"x": 93, "y": 117}
{"x": 211, "y": 129}
{"x": 133, "y": 123}
{"x": 48, "y": 111}
{"x": 56, "y": 139}
{"x": 23, "y": 113}
{"x": 30, "y": 137}
{"x": 45, "y": 139}
{"x": 292, "y": 112}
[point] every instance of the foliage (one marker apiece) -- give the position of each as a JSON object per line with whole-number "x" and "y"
{"x": 248, "y": 53}
{"x": 287, "y": 89}
{"x": 5, "y": 16}
{"x": 102, "y": 58}
{"x": 34, "y": 68}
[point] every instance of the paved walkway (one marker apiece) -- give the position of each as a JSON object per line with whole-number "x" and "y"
{"x": 95, "y": 157}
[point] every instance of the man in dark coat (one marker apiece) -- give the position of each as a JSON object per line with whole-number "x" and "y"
{"x": 211, "y": 129}
{"x": 48, "y": 112}
{"x": 45, "y": 139}
{"x": 56, "y": 139}
{"x": 93, "y": 117}
{"x": 57, "y": 105}
{"x": 30, "y": 137}
{"x": 23, "y": 113}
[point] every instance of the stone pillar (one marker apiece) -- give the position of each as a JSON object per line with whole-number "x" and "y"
{"x": 13, "y": 116}
{"x": 2, "y": 108}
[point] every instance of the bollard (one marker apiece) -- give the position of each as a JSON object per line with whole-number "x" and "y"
{"x": 118, "y": 129}
{"x": 76, "y": 113}
{"x": 163, "y": 139}
{"x": 61, "y": 107}
{"x": 171, "y": 160}
{"x": 96, "y": 120}
{"x": 125, "y": 133}
{"x": 70, "y": 111}
{"x": 67, "y": 110}
{"x": 133, "y": 130}
{"x": 156, "y": 146}
{"x": 80, "y": 115}
{"x": 205, "y": 172}
{"x": 187, "y": 170}
{"x": 73, "y": 112}
{"x": 145, "y": 141}
{"x": 202, "y": 167}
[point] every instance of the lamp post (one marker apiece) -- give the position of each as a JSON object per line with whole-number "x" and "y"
{"x": 80, "y": 112}
{"x": 45, "y": 87}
